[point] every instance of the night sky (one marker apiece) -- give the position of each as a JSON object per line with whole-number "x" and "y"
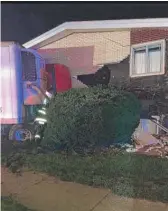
{"x": 22, "y": 22}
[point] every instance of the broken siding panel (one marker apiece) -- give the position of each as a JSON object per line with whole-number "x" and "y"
{"x": 77, "y": 84}
{"x": 79, "y": 60}
{"x": 109, "y": 47}
{"x": 147, "y": 126}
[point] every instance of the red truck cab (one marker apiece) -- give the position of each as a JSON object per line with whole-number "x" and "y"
{"x": 59, "y": 77}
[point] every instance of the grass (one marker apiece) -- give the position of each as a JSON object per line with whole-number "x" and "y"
{"x": 8, "y": 204}
{"x": 125, "y": 174}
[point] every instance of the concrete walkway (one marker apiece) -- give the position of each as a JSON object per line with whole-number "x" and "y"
{"x": 43, "y": 193}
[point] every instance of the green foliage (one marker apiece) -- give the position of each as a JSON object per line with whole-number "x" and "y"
{"x": 8, "y": 204}
{"x": 14, "y": 157}
{"x": 82, "y": 119}
{"x": 15, "y": 162}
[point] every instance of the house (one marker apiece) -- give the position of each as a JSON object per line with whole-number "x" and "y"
{"x": 134, "y": 49}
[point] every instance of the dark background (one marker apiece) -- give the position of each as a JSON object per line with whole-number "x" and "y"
{"x": 22, "y": 22}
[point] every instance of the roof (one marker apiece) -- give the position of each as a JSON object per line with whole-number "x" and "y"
{"x": 68, "y": 28}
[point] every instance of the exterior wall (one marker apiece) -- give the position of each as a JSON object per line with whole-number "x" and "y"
{"x": 109, "y": 47}
{"x": 79, "y": 60}
{"x": 142, "y": 36}
{"x": 119, "y": 72}
{"x": 146, "y": 35}
{"x": 149, "y": 34}
{"x": 84, "y": 52}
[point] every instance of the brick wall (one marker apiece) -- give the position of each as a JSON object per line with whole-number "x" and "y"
{"x": 148, "y": 34}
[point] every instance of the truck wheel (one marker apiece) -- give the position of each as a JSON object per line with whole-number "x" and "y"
{"x": 21, "y": 133}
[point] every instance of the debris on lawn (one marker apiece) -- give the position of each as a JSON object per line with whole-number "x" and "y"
{"x": 154, "y": 150}
{"x": 128, "y": 148}
{"x": 131, "y": 149}
{"x": 148, "y": 144}
{"x": 142, "y": 138}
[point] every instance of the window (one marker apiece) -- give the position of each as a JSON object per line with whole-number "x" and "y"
{"x": 28, "y": 66}
{"x": 147, "y": 59}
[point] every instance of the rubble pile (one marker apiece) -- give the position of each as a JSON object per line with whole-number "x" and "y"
{"x": 153, "y": 145}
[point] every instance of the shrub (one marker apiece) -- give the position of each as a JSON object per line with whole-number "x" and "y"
{"x": 9, "y": 204}
{"x": 82, "y": 119}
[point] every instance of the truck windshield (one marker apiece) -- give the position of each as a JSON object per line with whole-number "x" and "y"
{"x": 28, "y": 66}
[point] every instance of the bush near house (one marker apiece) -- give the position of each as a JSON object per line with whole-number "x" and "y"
{"x": 83, "y": 119}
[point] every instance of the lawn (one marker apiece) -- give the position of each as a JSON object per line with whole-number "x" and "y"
{"x": 125, "y": 174}
{"x": 8, "y": 204}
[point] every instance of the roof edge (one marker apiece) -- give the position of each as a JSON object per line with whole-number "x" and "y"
{"x": 82, "y": 26}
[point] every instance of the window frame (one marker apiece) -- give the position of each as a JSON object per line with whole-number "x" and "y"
{"x": 146, "y": 46}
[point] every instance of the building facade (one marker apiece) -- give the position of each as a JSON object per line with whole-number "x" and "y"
{"x": 131, "y": 48}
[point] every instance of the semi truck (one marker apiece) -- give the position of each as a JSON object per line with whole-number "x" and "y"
{"x": 24, "y": 81}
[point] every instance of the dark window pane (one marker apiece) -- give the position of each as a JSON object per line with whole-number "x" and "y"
{"x": 28, "y": 66}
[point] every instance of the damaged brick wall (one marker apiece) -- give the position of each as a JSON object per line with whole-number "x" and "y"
{"x": 142, "y": 35}
{"x": 147, "y": 35}
{"x": 119, "y": 72}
